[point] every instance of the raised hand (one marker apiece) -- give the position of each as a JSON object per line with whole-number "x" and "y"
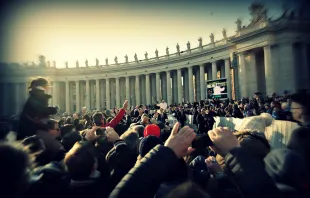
{"x": 180, "y": 141}
{"x": 125, "y": 105}
{"x": 223, "y": 140}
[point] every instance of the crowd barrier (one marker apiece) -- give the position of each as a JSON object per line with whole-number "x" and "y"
{"x": 278, "y": 133}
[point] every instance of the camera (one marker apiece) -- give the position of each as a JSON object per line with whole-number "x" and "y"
{"x": 201, "y": 142}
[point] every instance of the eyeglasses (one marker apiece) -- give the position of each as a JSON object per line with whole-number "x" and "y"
{"x": 296, "y": 108}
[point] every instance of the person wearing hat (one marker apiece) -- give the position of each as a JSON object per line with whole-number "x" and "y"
{"x": 36, "y": 111}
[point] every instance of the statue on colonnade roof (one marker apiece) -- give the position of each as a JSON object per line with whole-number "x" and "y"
{"x": 97, "y": 62}
{"x": 156, "y": 53}
{"x": 77, "y": 64}
{"x": 178, "y": 48}
{"x": 116, "y": 60}
{"x": 200, "y": 41}
{"x": 136, "y": 58}
{"x": 126, "y": 58}
{"x": 86, "y": 63}
{"x": 212, "y": 38}
{"x": 106, "y": 61}
{"x": 48, "y": 64}
{"x": 146, "y": 56}
{"x": 239, "y": 24}
{"x": 66, "y": 64}
{"x": 188, "y": 45}
{"x": 224, "y": 33}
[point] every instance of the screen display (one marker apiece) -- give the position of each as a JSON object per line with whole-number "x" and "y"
{"x": 217, "y": 89}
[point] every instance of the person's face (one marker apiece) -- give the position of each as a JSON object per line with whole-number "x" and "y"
{"x": 145, "y": 119}
{"x": 296, "y": 110}
{"x": 75, "y": 116}
{"x": 55, "y": 132}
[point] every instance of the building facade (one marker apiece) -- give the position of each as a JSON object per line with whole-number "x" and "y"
{"x": 268, "y": 56}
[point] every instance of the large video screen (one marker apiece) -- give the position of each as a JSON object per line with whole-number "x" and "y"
{"x": 217, "y": 89}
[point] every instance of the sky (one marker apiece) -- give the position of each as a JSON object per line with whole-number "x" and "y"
{"x": 80, "y": 30}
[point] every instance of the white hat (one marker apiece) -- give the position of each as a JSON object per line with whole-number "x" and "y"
{"x": 256, "y": 123}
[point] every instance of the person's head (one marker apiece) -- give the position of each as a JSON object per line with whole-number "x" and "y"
{"x": 187, "y": 189}
{"x": 53, "y": 128}
{"x": 84, "y": 110}
{"x": 161, "y": 110}
{"x": 69, "y": 120}
{"x": 39, "y": 84}
{"x": 75, "y": 116}
{"x": 131, "y": 138}
{"x": 203, "y": 111}
{"x": 300, "y": 107}
{"x": 152, "y": 129}
{"x": 14, "y": 168}
{"x": 98, "y": 119}
{"x": 148, "y": 143}
{"x": 286, "y": 168}
{"x": 163, "y": 101}
{"x": 81, "y": 161}
{"x": 145, "y": 118}
{"x": 70, "y": 139}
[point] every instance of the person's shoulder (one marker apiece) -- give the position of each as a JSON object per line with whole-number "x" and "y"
{"x": 301, "y": 132}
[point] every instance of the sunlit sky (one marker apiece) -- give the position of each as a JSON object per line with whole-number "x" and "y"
{"x": 78, "y": 31}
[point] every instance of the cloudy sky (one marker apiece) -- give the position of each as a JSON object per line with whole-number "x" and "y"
{"x": 70, "y": 31}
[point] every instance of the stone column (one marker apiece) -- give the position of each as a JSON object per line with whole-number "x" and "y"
{"x": 67, "y": 96}
{"x": 174, "y": 87}
{"x": 158, "y": 95}
{"x": 202, "y": 82}
{"x": 127, "y": 90}
{"x": 147, "y": 89}
{"x": 288, "y": 79}
{"x": 168, "y": 87}
{"x": 87, "y": 102}
{"x": 214, "y": 71}
{"x": 228, "y": 77}
{"x": 117, "y": 91}
{"x": 185, "y": 86}
{"x": 137, "y": 90}
{"x": 164, "y": 87}
{"x": 98, "y": 94}
{"x": 107, "y": 87}
{"x": 190, "y": 84}
{"x": 306, "y": 65}
{"x": 55, "y": 94}
{"x": 242, "y": 77}
{"x": 77, "y": 96}
{"x": 179, "y": 80}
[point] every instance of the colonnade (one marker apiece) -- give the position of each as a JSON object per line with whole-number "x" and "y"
{"x": 186, "y": 84}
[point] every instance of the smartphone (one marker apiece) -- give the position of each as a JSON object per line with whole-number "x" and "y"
{"x": 202, "y": 141}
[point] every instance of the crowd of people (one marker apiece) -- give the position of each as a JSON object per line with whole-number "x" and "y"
{"x": 138, "y": 152}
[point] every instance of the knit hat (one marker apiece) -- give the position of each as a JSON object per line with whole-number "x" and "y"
{"x": 148, "y": 143}
{"x": 152, "y": 129}
{"x": 258, "y": 123}
{"x": 286, "y": 167}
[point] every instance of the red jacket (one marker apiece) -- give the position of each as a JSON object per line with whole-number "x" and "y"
{"x": 115, "y": 120}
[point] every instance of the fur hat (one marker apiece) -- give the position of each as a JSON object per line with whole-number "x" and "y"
{"x": 258, "y": 123}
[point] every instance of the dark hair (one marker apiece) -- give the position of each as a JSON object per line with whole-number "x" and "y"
{"x": 303, "y": 99}
{"x": 70, "y": 139}
{"x": 187, "y": 189}
{"x": 13, "y": 167}
{"x": 97, "y": 117}
{"x": 51, "y": 124}
{"x": 80, "y": 160}
{"x": 66, "y": 129}
{"x": 38, "y": 82}
{"x": 69, "y": 120}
